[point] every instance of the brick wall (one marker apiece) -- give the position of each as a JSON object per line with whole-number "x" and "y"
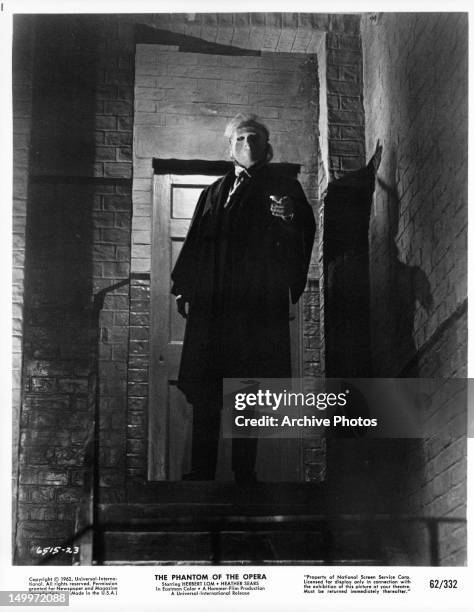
{"x": 79, "y": 233}
{"x": 344, "y": 101}
{"x": 79, "y": 239}
{"x": 78, "y": 243}
{"x": 416, "y": 105}
{"x": 22, "y": 106}
{"x": 343, "y": 142}
{"x": 415, "y": 94}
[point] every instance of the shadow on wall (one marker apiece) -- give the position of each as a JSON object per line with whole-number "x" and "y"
{"x": 406, "y": 286}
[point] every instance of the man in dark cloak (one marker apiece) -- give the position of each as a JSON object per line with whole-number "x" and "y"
{"x": 246, "y": 253}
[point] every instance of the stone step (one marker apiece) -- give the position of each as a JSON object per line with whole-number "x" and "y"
{"x": 236, "y": 547}
{"x": 218, "y": 522}
{"x": 140, "y": 514}
{"x": 227, "y": 492}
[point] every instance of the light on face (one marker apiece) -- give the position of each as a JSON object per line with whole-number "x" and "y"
{"x": 248, "y": 146}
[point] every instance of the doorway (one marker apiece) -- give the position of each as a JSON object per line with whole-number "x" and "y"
{"x": 183, "y": 101}
{"x": 175, "y": 194}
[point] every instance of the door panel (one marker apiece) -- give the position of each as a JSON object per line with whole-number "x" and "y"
{"x": 183, "y": 200}
{"x": 170, "y": 417}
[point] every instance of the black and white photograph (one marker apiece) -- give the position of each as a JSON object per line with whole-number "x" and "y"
{"x": 215, "y": 213}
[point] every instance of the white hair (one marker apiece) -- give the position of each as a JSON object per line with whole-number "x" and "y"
{"x": 240, "y": 120}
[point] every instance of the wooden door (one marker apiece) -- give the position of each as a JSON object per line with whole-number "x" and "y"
{"x": 170, "y": 416}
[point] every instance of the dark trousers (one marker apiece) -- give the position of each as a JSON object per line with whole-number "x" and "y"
{"x": 205, "y": 441}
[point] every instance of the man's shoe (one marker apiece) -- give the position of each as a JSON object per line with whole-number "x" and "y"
{"x": 245, "y": 477}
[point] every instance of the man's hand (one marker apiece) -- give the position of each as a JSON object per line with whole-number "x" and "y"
{"x": 282, "y": 206}
{"x": 182, "y": 306}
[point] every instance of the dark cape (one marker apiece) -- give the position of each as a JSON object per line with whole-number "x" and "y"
{"x": 237, "y": 268}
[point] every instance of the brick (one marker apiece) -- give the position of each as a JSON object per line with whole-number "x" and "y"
{"x": 352, "y": 103}
{"x": 141, "y": 251}
{"x": 139, "y": 333}
{"x": 350, "y": 73}
{"x": 123, "y": 253}
{"x": 125, "y": 92}
{"x": 119, "y": 352}
{"x": 116, "y": 269}
{"x": 136, "y": 447}
{"x": 141, "y": 265}
{"x": 118, "y": 78}
{"x": 343, "y": 57}
{"x": 138, "y": 376}
{"x": 141, "y": 223}
{"x": 346, "y": 132}
{"x": 346, "y": 117}
{"x": 146, "y": 106}
{"x": 139, "y": 347}
{"x": 136, "y": 461}
{"x": 117, "y": 236}
{"x": 139, "y": 292}
{"x": 139, "y": 319}
{"x": 118, "y": 169}
{"x": 141, "y": 237}
{"x": 118, "y": 138}
{"x": 122, "y": 220}
{"x": 142, "y": 185}
{"x": 104, "y": 122}
{"x": 124, "y": 154}
{"x": 116, "y": 302}
{"x": 137, "y": 389}
{"x": 103, "y": 219}
{"x": 42, "y": 385}
{"x": 103, "y": 252}
{"x": 118, "y": 108}
{"x": 39, "y": 495}
{"x": 124, "y": 123}
{"x": 333, "y": 102}
{"x": 346, "y": 147}
{"x": 139, "y": 403}
{"x": 117, "y": 203}
{"x": 43, "y": 476}
{"x": 36, "y": 513}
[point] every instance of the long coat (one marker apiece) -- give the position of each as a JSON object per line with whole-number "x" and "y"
{"x": 237, "y": 268}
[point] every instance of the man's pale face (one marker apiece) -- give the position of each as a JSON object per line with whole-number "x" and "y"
{"x": 248, "y": 146}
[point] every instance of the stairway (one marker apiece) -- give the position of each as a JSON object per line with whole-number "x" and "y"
{"x": 204, "y": 523}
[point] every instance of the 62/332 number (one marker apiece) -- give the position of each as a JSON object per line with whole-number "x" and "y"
{"x": 443, "y": 584}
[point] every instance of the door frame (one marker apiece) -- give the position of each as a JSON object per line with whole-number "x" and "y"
{"x": 158, "y": 399}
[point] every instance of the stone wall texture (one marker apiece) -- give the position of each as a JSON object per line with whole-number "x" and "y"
{"x": 415, "y": 97}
